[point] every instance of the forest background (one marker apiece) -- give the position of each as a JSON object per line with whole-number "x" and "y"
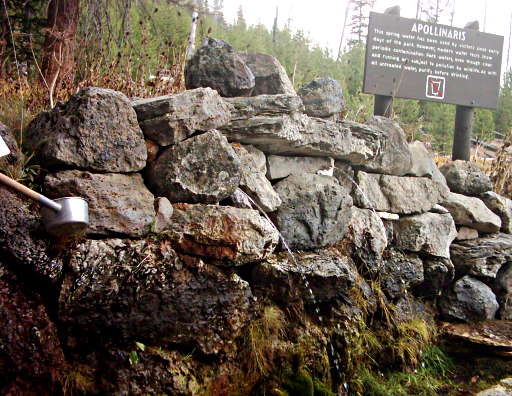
{"x": 51, "y": 48}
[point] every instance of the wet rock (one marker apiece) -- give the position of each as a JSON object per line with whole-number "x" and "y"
{"x": 401, "y": 195}
{"x": 422, "y": 163}
{"x": 466, "y": 233}
{"x": 163, "y": 217}
{"x": 438, "y": 273}
{"x": 322, "y": 97}
{"x": 264, "y": 105}
{"x": 317, "y": 277}
{"x": 409, "y": 308}
{"x": 394, "y": 157}
{"x": 235, "y": 236}
{"x": 270, "y": 76}
{"x": 501, "y": 206}
{"x": 315, "y": 211}
{"x": 469, "y": 300}
{"x": 217, "y": 65}
{"x": 482, "y": 257}
{"x": 464, "y": 177}
{"x": 503, "y": 288}
{"x": 367, "y": 237}
{"x": 238, "y": 199}
{"x": 471, "y": 212}
{"x": 428, "y": 233}
{"x": 10, "y": 142}
{"x": 118, "y": 203}
{"x": 23, "y": 241}
{"x": 202, "y": 169}
{"x": 254, "y": 183}
{"x": 30, "y": 353}
{"x": 96, "y": 130}
{"x": 173, "y": 118}
{"x": 400, "y": 272}
{"x": 279, "y": 167}
{"x": 141, "y": 290}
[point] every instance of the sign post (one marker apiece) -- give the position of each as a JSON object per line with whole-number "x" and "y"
{"x": 409, "y": 58}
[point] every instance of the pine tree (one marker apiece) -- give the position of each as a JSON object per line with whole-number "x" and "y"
{"x": 503, "y": 115}
{"x": 360, "y": 15}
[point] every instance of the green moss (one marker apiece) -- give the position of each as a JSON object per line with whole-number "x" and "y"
{"x": 300, "y": 384}
{"x": 320, "y": 389}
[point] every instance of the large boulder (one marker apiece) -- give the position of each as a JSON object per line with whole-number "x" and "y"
{"x": 314, "y": 213}
{"x": 482, "y": 257}
{"x": 118, "y": 203}
{"x": 217, "y": 65}
{"x": 501, "y": 206}
{"x": 503, "y": 288}
{"x": 279, "y": 167}
{"x": 316, "y": 277}
{"x": 400, "y": 272}
{"x": 322, "y": 97}
{"x": 270, "y": 76}
{"x": 96, "y": 130}
{"x": 173, "y": 118}
{"x": 235, "y": 236}
{"x": 470, "y": 300}
{"x": 142, "y": 290}
{"x": 402, "y": 195}
{"x": 429, "y": 233}
{"x": 422, "y": 163}
{"x": 464, "y": 177}
{"x": 254, "y": 183}
{"x": 395, "y": 157}
{"x": 471, "y": 212}
{"x": 23, "y": 242}
{"x": 202, "y": 169}
{"x": 10, "y": 142}
{"x": 30, "y": 352}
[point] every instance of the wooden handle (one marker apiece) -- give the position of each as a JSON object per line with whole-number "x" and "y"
{"x": 19, "y": 187}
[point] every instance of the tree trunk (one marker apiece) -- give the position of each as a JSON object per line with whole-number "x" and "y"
{"x": 58, "y": 62}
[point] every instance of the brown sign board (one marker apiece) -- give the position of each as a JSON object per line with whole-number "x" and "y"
{"x": 408, "y": 58}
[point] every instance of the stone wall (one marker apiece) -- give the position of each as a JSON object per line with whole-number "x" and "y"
{"x": 196, "y": 203}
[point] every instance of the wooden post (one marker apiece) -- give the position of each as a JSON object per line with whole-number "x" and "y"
{"x": 464, "y": 115}
{"x": 383, "y": 105}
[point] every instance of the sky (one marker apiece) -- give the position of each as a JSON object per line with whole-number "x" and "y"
{"x": 323, "y": 19}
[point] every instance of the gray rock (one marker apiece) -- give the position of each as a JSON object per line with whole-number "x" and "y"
{"x": 439, "y": 209}
{"x": 239, "y": 199}
{"x": 429, "y": 233}
{"x": 96, "y": 130}
{"x": 254, "y": 183}
{"x": 142, "y": 290}
{"x": 258, "y": 157}
{"x": 403, "y": 195}
{"x": 279, "y": 167}
{"x": 482, "y": 257}
{"x": 202, "y": 169}
{"x": 345, "y": 174}
{"x": 163, "y": 217}
{"x": 173, "y": 118}
{"x": 503, "y": 288}
{"x": 235, "y": 236}
{"x": 217, "y": 65}
{"x": 466, "y": 233}
{"x": 400, "y": 272}
{"x": 367, "y": 237}
{"x": 315, "y": 211}
{"x": 422, "y": 163}
{"x": 243, "y": 108}
{"x": 118, "y": 203}
{"x": 501, "y": 206}
{"x": 409, "y": 308}
{"x": 439, "y": 273}
{"x": 270, "y": 76}
{"x": 322, "y": 97}
{"x": 388, "y": 216}
{"x": 470, "y": 300}
{"x": 395, "y": 157}
{"x": 317, "y": 277}
{"x": 23, "y": 242}
{"x": 471, "y": 212}
{"x": 497, "y": 390}
{"x": 464, "y": 177}
{"x": 10, "y": 142}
